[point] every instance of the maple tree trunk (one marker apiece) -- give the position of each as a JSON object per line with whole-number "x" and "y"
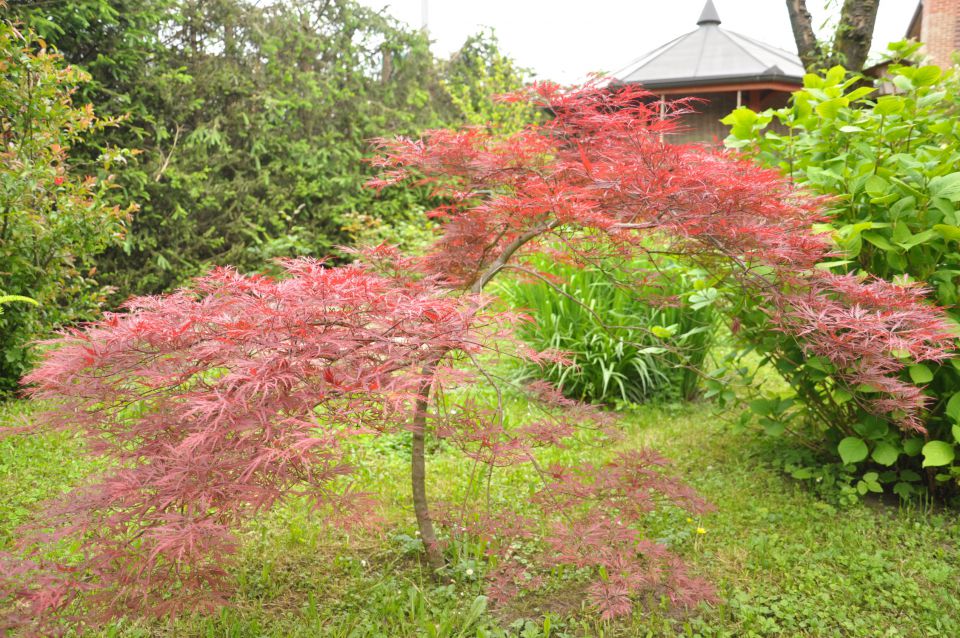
{"x": 418, "y": 473}
{"x": 418, "y": 464}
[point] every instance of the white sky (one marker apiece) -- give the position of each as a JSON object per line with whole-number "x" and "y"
{"x": 564, "y": 40}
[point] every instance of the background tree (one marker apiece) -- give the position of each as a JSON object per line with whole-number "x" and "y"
{"x": 478, "y": 73}
{"x": 252, "y": 119}
{"x": 850, "y": 43}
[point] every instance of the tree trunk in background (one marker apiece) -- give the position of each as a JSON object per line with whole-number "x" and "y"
{"x": 851, "y": 42}
{"x": 802, "y": 23}
{"x": 855, "y": 33}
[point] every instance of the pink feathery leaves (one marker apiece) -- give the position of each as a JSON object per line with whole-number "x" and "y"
{"x": 216, "y": 401}
{"x": 870, "y": 330}
{"x": 605, "y": 163}
{"x": 592, "y": 518}
{"x": 213, "y": 403}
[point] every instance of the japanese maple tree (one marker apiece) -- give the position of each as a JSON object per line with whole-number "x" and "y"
{"x": 221, "y": 399}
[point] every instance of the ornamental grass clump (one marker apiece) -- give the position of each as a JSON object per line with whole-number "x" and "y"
{"x": 611, "y": 327}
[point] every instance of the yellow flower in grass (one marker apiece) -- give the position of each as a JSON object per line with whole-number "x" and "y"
{"x": 700, "y": 530}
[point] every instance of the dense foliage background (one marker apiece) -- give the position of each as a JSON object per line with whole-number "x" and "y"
{"x": 253, "y": 122}
{"x": 623, "y": 342}
{"x": 249, "y": 125}
{"x": 53, "y": 222}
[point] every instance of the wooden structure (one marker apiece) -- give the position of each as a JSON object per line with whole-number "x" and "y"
{"x": 723, "y": 68}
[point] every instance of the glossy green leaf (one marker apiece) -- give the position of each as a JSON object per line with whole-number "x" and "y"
{"x": 937, "y": 454}
{"x": 926, "y": 75}
{"x": 903, "y": 83}
{"x": 852, "y": 450}
{"x": 877, "y": 186}
{"x": 830, "y": 108}
{"x": 860, "y": 93}
{"x": 879, "y": 241}
{"x": 885, "y": 454}
{"x": 948, "y": 232}
{"x": 888, "y": 105}
{"x": 920, "y": 373}
{"x": 953, "y": 407}
{"x": 946, "y": 187}
{"x": 912, "y": 446}
{"x": 834, "y": 76}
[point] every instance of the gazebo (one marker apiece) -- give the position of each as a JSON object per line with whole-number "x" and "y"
{"x": 723, "y": 68}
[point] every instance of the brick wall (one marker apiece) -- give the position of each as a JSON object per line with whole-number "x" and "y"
{"x": 940, "y": 29}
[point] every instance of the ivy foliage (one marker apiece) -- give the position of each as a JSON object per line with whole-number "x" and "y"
{"x": 889, "y": 164}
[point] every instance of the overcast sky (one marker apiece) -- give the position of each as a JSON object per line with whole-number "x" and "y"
{"x": 564, "y": 40}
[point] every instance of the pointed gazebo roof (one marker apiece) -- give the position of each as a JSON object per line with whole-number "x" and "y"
{"x": 711, "y": 56}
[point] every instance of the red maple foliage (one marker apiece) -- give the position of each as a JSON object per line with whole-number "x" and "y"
{"x": 218, "y": 400}
{"x": 604, "y": 163}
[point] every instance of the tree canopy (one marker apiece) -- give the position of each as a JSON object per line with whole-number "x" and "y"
{"x": 253, "y": 120}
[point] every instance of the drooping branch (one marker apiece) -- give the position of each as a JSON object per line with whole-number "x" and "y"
{"x": 508, "y": 252}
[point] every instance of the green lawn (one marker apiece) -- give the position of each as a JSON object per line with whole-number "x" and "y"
{"x": 784, "y": 562}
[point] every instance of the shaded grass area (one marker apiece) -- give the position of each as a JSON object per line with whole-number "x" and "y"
{"x": 784, "y": 562}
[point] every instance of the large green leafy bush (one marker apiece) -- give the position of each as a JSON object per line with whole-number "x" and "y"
{"x": 888, "y": 164}
{"x": 52, "y": 221}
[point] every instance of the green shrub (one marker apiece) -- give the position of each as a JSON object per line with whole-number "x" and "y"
{"x": 52, "y": 222}
{"x": 254, "y": 121}
{"x": 622, "y": 343}
{"x": 890, "y": 167}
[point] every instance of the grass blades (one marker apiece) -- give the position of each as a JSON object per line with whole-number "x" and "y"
{"x": 785, "y": 563}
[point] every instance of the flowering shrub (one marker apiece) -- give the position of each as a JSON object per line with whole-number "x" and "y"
{"x": 220, "y": 399}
